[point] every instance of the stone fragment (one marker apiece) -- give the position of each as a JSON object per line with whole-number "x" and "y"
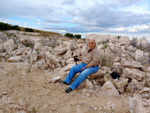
{"x": 55, "y": 79}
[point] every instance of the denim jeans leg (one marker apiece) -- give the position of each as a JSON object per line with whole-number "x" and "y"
{"x": 74, "y": 70}
{"x": 82, "y": 77}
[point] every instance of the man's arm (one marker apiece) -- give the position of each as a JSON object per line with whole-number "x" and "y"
{"x": 90, "y": 65}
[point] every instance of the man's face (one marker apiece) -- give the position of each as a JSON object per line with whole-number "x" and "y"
{"x": 92, "y": 44}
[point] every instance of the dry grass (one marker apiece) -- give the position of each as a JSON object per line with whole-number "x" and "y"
{"x": 43, "y": 33}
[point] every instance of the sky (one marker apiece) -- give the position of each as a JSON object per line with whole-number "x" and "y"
{"x": 114, "y": 17}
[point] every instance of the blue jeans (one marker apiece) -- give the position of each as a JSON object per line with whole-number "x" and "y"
{"x": 82, "y": 77}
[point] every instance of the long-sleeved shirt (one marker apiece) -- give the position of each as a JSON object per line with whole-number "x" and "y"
{"x": 91, "y": 57}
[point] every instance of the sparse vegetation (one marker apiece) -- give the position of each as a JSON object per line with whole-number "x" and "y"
{"x": 29, "y": 30}
{"x": 28, "y": 43}
{"x": 105, "y": 45}
{"x": 6, "y": 26}
{"x": 118, "y": 37}
{"x": 107, "y": 60}
{"x": 69, "y": 35}
{"x": 77, "y": 36}
{"x": 146, "y": 83}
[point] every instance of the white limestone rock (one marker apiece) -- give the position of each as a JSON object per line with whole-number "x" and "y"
{"x": 110, "y": 89}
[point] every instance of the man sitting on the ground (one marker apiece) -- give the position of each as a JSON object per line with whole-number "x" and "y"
{"x": 90, "y": 64}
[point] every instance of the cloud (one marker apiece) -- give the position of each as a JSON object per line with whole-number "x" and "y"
{"x": 134, "y": 29}
{"x": 79, "y": 16}
{"x": 68, "y": 2}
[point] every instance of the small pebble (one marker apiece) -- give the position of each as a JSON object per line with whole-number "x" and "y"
{"x": 5, "y": 93}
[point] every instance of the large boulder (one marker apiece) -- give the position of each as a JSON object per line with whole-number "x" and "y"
{"x": 1, "y": 48}
{"x": 73, "y": 46}
{"x": 38, "y": 45}
{"x": 134, "y": 73}
{"x": 136, "y": 106}
{"x": 124, "y": 41}
{"x": 89, "y": 84}
{"x": 110, "y": 89}
{"x": 68, "y": 54}
{"x": 117, "y": 66}
{"x": 3, "y": 37}
{"x": 101, "y": 38}
{"x": 144, "y": 43}
{"x": 67, "y": 67}
{"x": 14, "y": 59}
{"x": 9, "y": 45}
{"x": 98, "y": 74}
{"x": 70, "y": 61}
{"x": 51, "y": 60}
{"x": 60, "y": 50}
{"x": 41, "y": 64}
{"x": 132, "y": 64}
{"x": 148, "y": 69}
{"x": 141, "y": 56}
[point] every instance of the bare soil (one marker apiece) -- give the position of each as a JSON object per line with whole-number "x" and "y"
{"x": 22, "y": 92}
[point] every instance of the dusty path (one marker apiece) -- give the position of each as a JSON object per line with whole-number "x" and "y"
{"x": 22, "y": 92}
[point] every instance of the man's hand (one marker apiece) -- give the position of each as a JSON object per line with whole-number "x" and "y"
{"x": 83, "y": 69}
{"x": 76, "y": 59}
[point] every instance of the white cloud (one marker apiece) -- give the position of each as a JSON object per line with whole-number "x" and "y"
{"x": 137, "y": 28}
{"x": 79, "y": 16}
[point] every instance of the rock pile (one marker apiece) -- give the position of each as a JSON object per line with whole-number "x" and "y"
{"x": 129, "y": 58}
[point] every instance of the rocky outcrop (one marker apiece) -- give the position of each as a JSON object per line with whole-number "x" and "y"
{"x": 137, "y": 105}
{"x": 144, "y": 43}
{"x": 117, "y": 54}
{"x": 141, "y": 56}
{"x": 9, "y": 45}
{"x": 51, "y": 60}
{"x": 134, "y": 73}
{"x": 132, "y": 64}
{"x": 110, "y": 89}
{"x": 14, "y": 59}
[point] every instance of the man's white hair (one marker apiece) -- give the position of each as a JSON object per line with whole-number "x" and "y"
{"x": 94, "y": 41}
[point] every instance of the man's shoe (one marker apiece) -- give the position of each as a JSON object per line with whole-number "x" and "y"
{"x": 68, "y": 90}
{"x": 63, "y": 82}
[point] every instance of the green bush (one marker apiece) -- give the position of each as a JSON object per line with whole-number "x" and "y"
{"x": 118, "y": 37}
{"x": 78, "y": 36}
{"x": 69, "y": 35}
{"x": 6, "y": 26}
{"x": 29, "y": 30}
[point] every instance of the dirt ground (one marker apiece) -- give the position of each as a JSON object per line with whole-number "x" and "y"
{"x": 22, "y": 92}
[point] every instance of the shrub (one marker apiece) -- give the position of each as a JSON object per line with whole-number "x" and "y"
{"x": 118, "y": 37}
{"x": 107, "y": 60}
{"x": 69, "y": 35}
{"x": 6, "y": 26}
{"x": 105, "y": 46}
{"x": 29, "y": 30}
{"x": 28, "y": 43}
{"x": 78, "y": 36}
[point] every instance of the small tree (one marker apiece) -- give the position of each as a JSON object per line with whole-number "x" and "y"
{"x": 118, "y": 37}
{"x": 78, "y": 36}
{"x": 15, "y": 27}
{"x": 69, "y": 35}
{"x": 29, "y": 30}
